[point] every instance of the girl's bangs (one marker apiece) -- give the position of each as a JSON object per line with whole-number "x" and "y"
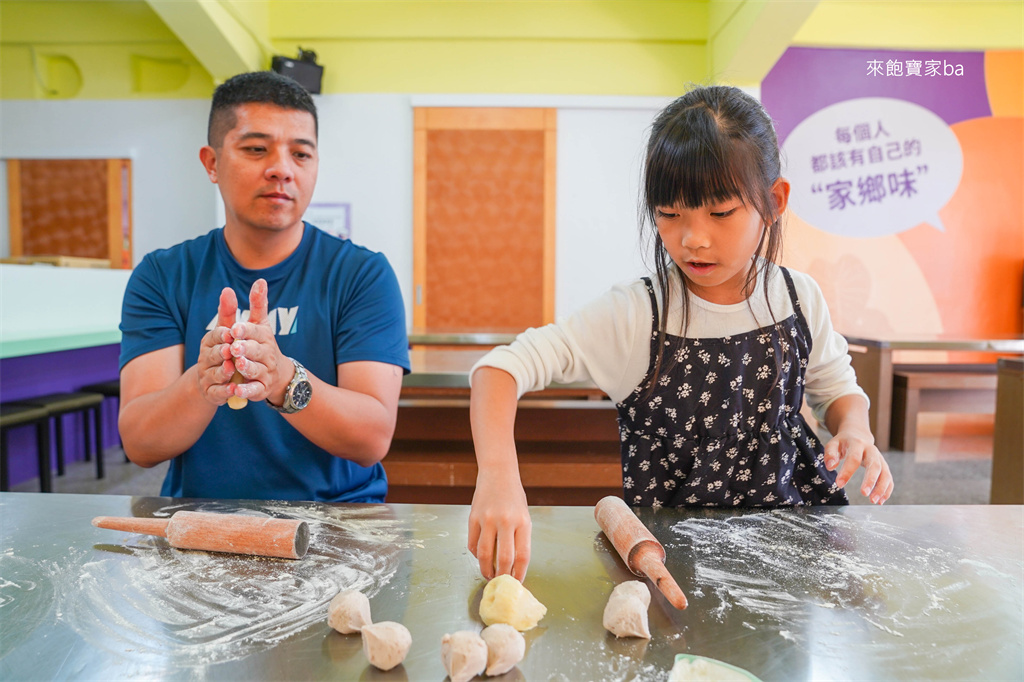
{"x": 693, "y": 172}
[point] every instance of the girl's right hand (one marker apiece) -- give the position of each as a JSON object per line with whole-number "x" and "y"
{"x": 500, "y": 527}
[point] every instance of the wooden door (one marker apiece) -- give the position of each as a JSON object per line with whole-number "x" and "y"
{"x": 71, "y": 207}
{"x": 484, "y": 213}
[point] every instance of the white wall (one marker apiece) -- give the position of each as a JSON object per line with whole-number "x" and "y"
{"x": 600, "y": 155}
{"x": 172, "y": 198}
{"x": 366, "y": 161}
{"x": 71, "y": 300}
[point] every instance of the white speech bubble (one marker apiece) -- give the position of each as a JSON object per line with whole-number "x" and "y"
{"x": 871, "y": 167}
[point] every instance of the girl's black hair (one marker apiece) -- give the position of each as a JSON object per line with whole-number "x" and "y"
{"x": 712, "y": 144}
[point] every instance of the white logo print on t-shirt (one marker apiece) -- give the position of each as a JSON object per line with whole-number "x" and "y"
{"x": 283, "y": 320}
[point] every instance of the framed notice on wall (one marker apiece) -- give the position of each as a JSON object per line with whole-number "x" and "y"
{"x": 332, "y": 218}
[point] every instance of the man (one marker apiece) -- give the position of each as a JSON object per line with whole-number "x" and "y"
{"x": 319, "y": 354}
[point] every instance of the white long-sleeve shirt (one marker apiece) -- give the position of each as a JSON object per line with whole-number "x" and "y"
{"x": 608, "y": 341}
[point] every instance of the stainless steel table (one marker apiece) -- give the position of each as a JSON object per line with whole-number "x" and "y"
{"x": 484, "y": 338}
{"x": 855, "y": 593}
{"x": 444, "y": 372}
{"x": 441, "y": 368}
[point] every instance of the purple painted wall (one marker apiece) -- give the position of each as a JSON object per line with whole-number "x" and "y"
{"x": 36, "y": 375}
{"x": 826, "y": 76}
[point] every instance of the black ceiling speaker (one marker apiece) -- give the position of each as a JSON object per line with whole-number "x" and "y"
{"x": 305, "y": 70}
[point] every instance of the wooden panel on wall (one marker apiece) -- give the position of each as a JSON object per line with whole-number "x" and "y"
{"x": 119, "y": 213}
{"x": 64, "y": 207}
{"x": 14, "y": 206}
{"x": 419, "y": 218}
{"x": 483, "y": 212}
{"x": 484, "y": 118}
{"x": 71, "y": 207}
{"x": 485, "y": 218}
{"x": 550, "y": 169}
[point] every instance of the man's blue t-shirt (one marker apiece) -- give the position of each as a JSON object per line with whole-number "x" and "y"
{"x": 330, "y": 302}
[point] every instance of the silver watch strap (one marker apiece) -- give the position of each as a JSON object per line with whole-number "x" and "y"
{"x": 288, "y": 406}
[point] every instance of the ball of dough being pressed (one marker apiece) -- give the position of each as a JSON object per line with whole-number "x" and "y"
{"x": 625, "y": 614}
{"x": 464, "y": 655}
{"x": 235, "y": 402}
{"x": 386, "y": 644}
{"x": 506, "y": 646}
{"x": 505, "y": 600}
{"x": 349, "y": 612}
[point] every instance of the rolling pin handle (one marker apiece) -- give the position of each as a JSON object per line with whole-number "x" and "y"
{"x": 651, "y": 565}
{"x": 144, "y": 526}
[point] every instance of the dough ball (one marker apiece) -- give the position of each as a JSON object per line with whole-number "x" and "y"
{"x": 506, "y": 646}
{"x": 464, "y": 655}
{"x": 625, "y": 614}
{"x": 236, "y": 403}
{"x": 637, "y": 589}
{"x": 505, "y": 600}
{"x": 349, "y": 612}
{"x": 386, "y": 644}
{"x": 698, "y": 669}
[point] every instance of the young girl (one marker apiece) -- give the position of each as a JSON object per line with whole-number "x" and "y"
{"x": 708, "y": 365}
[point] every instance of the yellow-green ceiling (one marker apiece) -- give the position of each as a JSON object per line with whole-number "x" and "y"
{"x": 124, "y": 49}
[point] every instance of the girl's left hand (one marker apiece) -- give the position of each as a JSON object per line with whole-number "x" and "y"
{"x": 855, "y": 452}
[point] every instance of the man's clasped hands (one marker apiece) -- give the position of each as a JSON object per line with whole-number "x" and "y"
{"x": 246, "y": 346}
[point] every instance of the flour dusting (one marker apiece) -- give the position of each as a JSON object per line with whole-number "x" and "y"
{"x": 26, "y": 597}
{"x": 191, "y": 608}
{"x": 810, "y": 574}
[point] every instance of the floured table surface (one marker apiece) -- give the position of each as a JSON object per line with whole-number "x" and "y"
{"x": 854, "y": 593}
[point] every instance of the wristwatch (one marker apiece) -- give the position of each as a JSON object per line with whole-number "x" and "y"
{"x": 298, "y": 393}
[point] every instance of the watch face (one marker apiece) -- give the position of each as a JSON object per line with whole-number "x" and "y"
{"x": 301, "y": 395}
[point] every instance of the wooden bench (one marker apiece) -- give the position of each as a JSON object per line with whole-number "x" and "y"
{"x": 568, "y": 452}
{"x": 967, "y": 388}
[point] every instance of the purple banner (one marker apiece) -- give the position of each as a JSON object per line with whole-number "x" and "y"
{"x": 806, "y": 79}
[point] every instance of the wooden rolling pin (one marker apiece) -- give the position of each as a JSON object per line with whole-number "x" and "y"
{"x": 234, "y": 533}
{"x": 641, "y": 551}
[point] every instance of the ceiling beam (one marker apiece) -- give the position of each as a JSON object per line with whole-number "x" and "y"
{"x": 747, "y": 37}
{"x": 221, "y": 43}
